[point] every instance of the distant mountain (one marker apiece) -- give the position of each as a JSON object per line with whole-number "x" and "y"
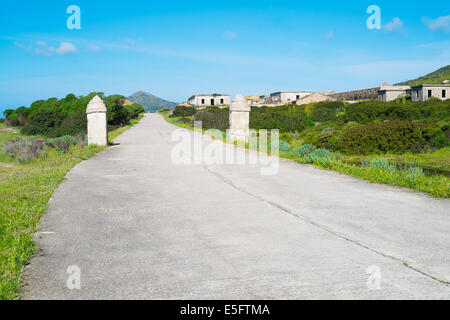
{"x": 150, "y": 102}
{"x": 436, "y": 77}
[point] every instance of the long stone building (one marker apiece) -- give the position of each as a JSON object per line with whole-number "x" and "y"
{"x": 427, "y": 91}
{"x": 361, "y": 94}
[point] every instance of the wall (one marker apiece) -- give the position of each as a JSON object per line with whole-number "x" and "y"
{"x": 363, "y": 94}
{"x": 421, "y": 93}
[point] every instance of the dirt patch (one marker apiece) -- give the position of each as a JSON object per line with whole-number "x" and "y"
{"x": 6, "y": 165}
{"x": 10, "y": 130}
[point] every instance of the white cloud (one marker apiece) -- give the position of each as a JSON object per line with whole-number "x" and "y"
{"x": 230, "y": 35}
{"x": 94, "y": 48}
{"x": 41, "y": 48}
{"x": 66, "y": 48}
{"x": 330, "y": 34}
{"x": 396, "y": 25}
{"x": 131, "y": 42}
{"x": 44, "y": 51}
{"x": 438, "y": 24}
{"x": 23, "y": 46}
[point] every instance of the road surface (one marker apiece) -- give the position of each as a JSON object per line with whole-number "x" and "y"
{"x": 138, "y": 226}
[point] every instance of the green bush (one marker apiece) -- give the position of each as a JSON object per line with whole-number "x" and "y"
{"x": 392, "y": 136}
{"x": 326, "y": 111}
{"x": 183, "y": 111}
{"x": 280, "y": 145}
{"x": 382, "y": 163}
{"x": 42, "y": 122}
{"x": 67, "y": 116}
{"x": 303, "y": 150}
{"x": 321, "y": 156}
{"x": 214, "y": 118}
{"x": 185, "y": 120}
{"x": 285, "y": 137}
{"x": 397, "y": 110}
{"x": 417, "y": 171}
{"x": 72, "y": 125}
{"x": 285, "y": 118}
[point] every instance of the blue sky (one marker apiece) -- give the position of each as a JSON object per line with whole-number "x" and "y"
{"x": 177, "y": 48}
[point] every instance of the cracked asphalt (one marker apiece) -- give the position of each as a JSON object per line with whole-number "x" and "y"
{"x": 139, "y": 226}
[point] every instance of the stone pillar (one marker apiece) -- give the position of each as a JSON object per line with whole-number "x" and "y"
{"x": 96, "y": 117}
{"x": 239, "y": 119}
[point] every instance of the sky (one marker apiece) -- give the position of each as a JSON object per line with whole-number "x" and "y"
{"x": 174, "y": 49}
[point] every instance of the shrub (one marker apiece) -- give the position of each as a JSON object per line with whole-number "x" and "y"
{"x": 280, "y": 145}
{"x": 185, "y": 120}
{"x": 323, "y": 139}
{"x": 42, "y": 122}
{"x": 67, "y": 116}
{"x": 62, "y": 143}
{"x": 284, "y": 118}
{"x": 73, "y": 125}
{"x": 321, "y": 156}
{"x": 400, "y": 109}
{"x": 303, "y": 150}
{"x": 285, "y": 137}
{"x": 326, "y": 111}
{"x": 380, "y": 163}
{"x": 416, "y": 171}
{"x": 24, "y": 149}
{"x": 134, "y": 110}
{"x": 214, "y": 119}
{"x": 392, "y": 136}
{"x": 183, "y": 111}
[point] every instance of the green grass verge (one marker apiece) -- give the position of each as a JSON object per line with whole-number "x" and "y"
{"x": 437, "y": 185}
{"x": 25, "y": 189}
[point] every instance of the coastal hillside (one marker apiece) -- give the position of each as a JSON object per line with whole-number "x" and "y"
{"x": 438, "y": 76}
{"x": 150, "y": 102}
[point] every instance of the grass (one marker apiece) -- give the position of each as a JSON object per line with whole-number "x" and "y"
{"x": 437, "y": 161}
{"x": 25, "y": 190}
{"x": 437, "y": 184}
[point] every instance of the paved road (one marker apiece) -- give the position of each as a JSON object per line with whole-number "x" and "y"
{"x": 141, "y": 227}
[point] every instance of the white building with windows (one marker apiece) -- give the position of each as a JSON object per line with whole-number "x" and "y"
{"x": 288, "y": 96}
{"x": 206, "y": 100}
{"x": 427, "y": 91}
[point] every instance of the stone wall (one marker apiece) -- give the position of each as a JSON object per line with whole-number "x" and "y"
{"x": 362, "y": 94}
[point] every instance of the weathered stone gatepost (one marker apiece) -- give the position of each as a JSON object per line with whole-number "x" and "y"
{"x": 96, "y": 118}
{"x": 239, "y": 119}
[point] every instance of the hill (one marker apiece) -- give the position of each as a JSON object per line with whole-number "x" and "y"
{"x": 435, "y": 77}
{"x": 150, "y": 102}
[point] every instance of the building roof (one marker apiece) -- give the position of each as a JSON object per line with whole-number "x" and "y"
{"x": 394, "y": 88}
{"x": 432, "y": 86}
{"x": 279, "y": 92}
{"x": 253, "y": 97}
{"x": 209, "y": 95}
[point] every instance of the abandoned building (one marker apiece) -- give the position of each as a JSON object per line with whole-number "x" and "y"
{"x": 205, "y": 100}
{"x": 389, "y": 93}
{"x": 427, "y": 91}
{"x": 361, "y": 94}
{"x": 287, "y": 97}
